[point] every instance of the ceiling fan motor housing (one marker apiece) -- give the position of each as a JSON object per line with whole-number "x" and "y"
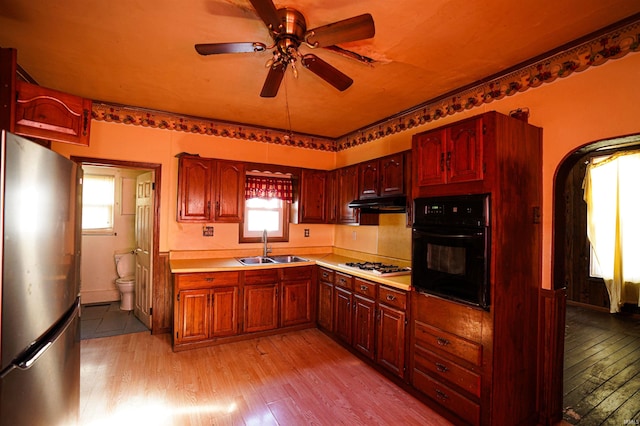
{"x": 292, "y": 31}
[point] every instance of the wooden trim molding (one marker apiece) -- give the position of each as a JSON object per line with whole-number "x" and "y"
{"x": 595, "y": 49}
{"x": 162, "y": 317}
{"x": 552, "y": 315}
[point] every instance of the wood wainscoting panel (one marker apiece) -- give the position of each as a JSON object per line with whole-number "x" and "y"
{"x": 162, "y": 317}
{"x": 553, "y": 308}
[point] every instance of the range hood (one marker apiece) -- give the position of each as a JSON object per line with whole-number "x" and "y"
{"x": 396, "y": 204}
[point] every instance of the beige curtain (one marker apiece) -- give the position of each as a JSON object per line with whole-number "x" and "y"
{"x": 612, "y": 193}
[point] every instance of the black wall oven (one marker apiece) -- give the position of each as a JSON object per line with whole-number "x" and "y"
{"x": 451, "y": 246}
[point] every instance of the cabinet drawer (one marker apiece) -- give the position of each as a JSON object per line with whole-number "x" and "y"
{"x": 206, "y": 280}
{"x": 344, "y": 280}
{"x": 447, "y": 397}
{"x": 327, "y": 275}
{"x": 366, "y": 288}
{"x": 431, "y": 337}
{"x": 434, "y": 365}
{"x": 296, "y": 273}
{"x": 261, "y": 276}
{"x": 393, "y": 297}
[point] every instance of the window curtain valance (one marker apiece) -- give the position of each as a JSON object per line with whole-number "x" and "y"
{"x": 269, "y": 187}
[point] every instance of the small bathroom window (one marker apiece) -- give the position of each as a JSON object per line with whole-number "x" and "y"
{"x": 98, "y": 201}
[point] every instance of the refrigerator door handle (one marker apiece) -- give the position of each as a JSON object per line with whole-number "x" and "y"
{"x": 34, "y": 351}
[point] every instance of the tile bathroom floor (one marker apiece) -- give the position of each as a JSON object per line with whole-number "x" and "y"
{"x": 106, "y": 319}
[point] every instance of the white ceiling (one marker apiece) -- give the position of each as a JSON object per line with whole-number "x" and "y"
{"x": 140, "y": 53}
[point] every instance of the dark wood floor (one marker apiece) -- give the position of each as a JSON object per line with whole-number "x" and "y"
{"x": 601, "y": 368}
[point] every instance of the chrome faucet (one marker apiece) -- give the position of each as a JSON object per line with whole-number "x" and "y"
{"x": 265, "y": 240}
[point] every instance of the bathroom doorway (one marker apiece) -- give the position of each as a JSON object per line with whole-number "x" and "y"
{"x": 137, "y": 205}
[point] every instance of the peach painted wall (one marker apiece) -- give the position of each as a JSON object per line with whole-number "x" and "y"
{"x": 599, "y": 103}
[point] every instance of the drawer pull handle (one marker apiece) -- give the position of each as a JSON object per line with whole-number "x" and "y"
{"x": 209, "y": 279}
{"x": 442, "y": 341}
{"x": 441, "y": 367}
{"x": 364, "y": 288}
{"x": 441, "y": 395}
{"x": 391, "y": 297}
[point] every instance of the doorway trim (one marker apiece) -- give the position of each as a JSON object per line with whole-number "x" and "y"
{"x": 157, "y": 170}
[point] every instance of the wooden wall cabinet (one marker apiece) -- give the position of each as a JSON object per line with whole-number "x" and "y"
{"x": 210, "y": 190}
{"x": 313, "y": 205}
{"x": 382, "y": 177}
{"x": 452, "y": 154}
{"x": 206, "y": 306}
{"x": 48, "y": 114}
{"x": 347, "y": 191}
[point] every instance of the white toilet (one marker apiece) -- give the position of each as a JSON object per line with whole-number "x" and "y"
{"x": 126, "y": 267}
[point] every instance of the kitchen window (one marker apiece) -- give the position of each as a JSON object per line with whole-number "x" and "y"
{"x": 98, "y": 201}
{"x": 267, "y": 204}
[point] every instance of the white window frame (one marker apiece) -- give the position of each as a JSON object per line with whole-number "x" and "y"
{"x": 90, "y": 200}
{"x": 281, "y": 234}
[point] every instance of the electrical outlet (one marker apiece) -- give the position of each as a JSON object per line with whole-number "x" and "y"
{"x": 306, "y": 232}
{"x": 207, "y": 231}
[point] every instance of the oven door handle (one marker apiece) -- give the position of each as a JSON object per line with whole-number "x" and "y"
{"x": 456, "y": 236}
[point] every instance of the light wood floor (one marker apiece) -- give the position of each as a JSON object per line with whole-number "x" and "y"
{"x": 296, "y": 378}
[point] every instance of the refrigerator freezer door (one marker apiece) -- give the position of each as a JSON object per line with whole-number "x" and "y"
{"x": 39, "y": 246}
{"x": 44, "y": 387}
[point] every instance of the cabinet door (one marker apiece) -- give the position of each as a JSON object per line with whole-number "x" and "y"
{"x": 296, "y": 302}
{"x": 230, "y": 182}
{"x": 51, "y": 115}
{"x": 343, "y": 314}
{"x": 332, "y": 197}
{"x": 193, "y": 316}
{"x": 391, "y": 339}
{"x": 224, "y": 315}
{"x": 392, "y": 175}
{"x": 429, "y": 158}
{"x": 325, "y": 305}
{"x": 347, "y": 192}
{"x": 368, "y": 179}
{"x": 364, "y": 325}
{"x": 312, "y": 196}
{"x": 194, "y": 189}
{"x": 260, "y": 307}
{"x": 464, "y": 156}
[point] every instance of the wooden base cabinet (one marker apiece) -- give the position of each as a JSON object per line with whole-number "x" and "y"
{"x": 216, "y": 307}
{"x": 326, "y": 278}
{"x": 366, "y": 316}
{"x": 206, "y": 306}
{"x": 296, "y": 300}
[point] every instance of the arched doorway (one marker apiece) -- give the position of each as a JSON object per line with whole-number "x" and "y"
{"x": 553, "y": 301}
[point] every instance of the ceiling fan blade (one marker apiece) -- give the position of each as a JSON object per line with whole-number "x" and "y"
{"x": 326, "y": 72}
{"x": 274, "y": 78}
{"x": 267, "y": 12}
{"x": 215, "y": 48}
{"x": 352, "y": 29}
{"x": 350, "y": 54}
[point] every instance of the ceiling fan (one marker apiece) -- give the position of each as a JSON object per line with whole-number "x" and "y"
{"x": 288, "y": 28}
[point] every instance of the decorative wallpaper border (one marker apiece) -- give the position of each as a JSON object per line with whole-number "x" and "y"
{"x": 613, "y": 45}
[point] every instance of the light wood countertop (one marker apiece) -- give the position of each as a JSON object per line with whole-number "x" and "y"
{"x": 331, "y": 261}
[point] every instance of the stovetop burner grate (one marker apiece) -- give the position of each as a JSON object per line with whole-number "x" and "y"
{"x": 379, "y": 268}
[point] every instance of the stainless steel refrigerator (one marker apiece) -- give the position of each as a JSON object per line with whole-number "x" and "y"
{"x": 40, "y": 340}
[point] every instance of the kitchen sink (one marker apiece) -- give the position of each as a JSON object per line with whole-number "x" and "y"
{"x": 255, "y": 260}
{"x": 288, "y": 259}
